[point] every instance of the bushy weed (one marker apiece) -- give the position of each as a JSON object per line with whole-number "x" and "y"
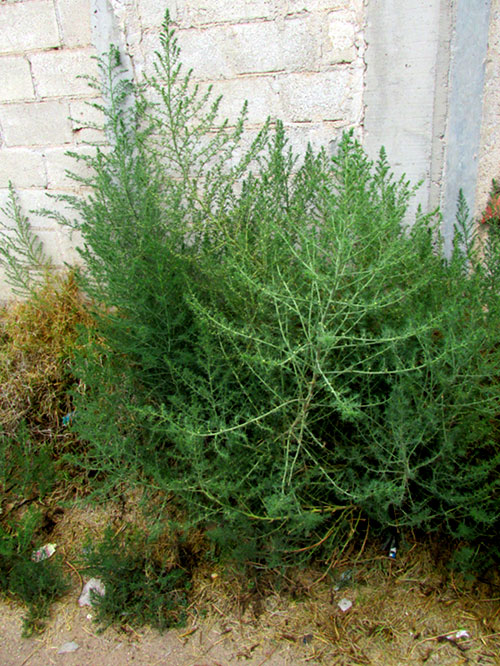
{"x": 139, "y": 588}
{"x": 35, "y": 583}
{"x": 275, "y": 343}
{"x": 280, "y": 345}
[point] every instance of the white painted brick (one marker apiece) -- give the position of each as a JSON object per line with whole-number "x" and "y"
{"x": 59, "y": 163}
{"x": 203, "y": 51}
{"x": 35, "y": 124}
{"x": 152, "y": 12}
{"x": 198, "y": 12}
{"x": 28, "y": 25}
{"x": 261, "y": 92}
{"x": 67, "y": 242}
{"x": 56, "y": 72}
{"x": 317, "y": 96}
{"x": 33, "y": 201}
{"x": 75, "y": 21}
{"x": 224, "y": 52}
{"x": 270, "y": 46}
{"x": 6, "y": 294}
{"x": 15, "y": 79}
{"x": 341, "y": 39}
{"x": 53, "y": 237}
{"x": 25, "y": 168}
{"x": 319, "y": 135}
{"x": 58, "y": 241}
{"x": 299, "y": 6}
{"x": 83, "y": 115}
{"x": 4, "y": 194}
{"x": 59, "y": 246}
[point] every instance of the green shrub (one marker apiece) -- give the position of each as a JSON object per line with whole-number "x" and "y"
{"x": 275, "y": 345}
{"x": 138, "y": 589}
{"x": 26, "y": 467}
{"x": 36, "y": 583}
{"x": 21, "y": 252}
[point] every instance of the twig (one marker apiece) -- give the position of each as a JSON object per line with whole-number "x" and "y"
{"x": 268, "y": 656}
{"x": 434, "y": 638}
{"x": 77, "y": 573}
{"x": 363, "y": 544}
{"x": 133, "y": 631}
{"x": 188, "y": 632}
{"x": 90, "y": 633}
{"x": 29, "y": 656}
{"x": 218, "y": 610}
{"x": 315, "y": 545}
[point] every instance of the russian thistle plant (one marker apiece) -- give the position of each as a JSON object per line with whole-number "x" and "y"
{"x": 21, "y": 252}
{"x": 275, "y": 345}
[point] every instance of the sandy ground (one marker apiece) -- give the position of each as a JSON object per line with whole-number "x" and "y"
{"x": 407, "y": 611}
{"x": 204, "y": 647}
{"x": 396, "y": 618}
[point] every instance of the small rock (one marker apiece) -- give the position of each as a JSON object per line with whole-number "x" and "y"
{"x": 71, "y": 646}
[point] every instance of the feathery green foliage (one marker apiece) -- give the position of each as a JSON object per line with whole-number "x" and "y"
{"x": 275, "y": 344}
{"x": 21, "y": 252}
{"x": 37, "y": 583}
{"x": 138, "y": 589}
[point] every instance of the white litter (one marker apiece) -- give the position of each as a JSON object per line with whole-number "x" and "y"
{"x": 93, "y": 585}
{"x": 68, "y": 647}
{"x": 344, "y": 605}
{"x": 459, "y": 634}
{"x": 44, "y": 552}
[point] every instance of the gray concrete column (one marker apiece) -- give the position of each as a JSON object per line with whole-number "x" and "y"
{"x": 467, "y": 64}
{"x": 423, "y": 94}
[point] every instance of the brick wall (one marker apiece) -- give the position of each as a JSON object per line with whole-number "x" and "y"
{"x": 44, "y": 46}
{"x": 304, "y": 61}
{"x": 298, "y": 61}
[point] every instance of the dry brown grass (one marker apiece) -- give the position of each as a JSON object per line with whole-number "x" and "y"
{"x": 37, "y": 338}
{"x": 404, "y": 611}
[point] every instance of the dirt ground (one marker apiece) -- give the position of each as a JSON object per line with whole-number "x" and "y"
{"x": 403, "y": 612}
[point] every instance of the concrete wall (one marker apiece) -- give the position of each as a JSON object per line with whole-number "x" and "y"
{"x": 425, "y": 75}
{"x": 489, "y": 152}
{"x": 384, "y": 67}
{"x": 403, "y": 57}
